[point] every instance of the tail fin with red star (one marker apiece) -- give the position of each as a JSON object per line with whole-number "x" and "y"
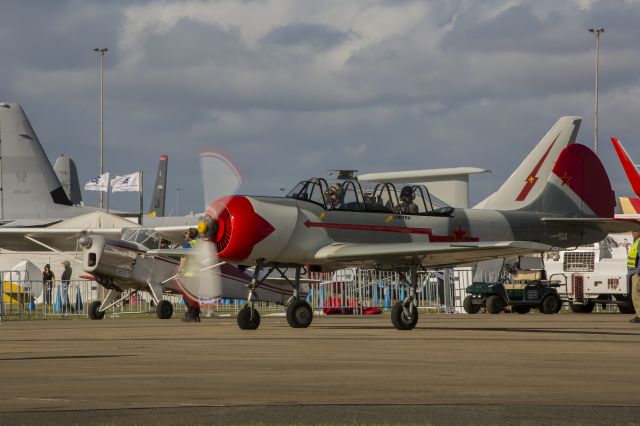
{"x": 557, "y": 177}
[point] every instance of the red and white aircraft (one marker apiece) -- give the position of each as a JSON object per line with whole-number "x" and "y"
{"x": 560, "y": 196}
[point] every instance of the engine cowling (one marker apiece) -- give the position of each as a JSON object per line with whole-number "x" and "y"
{"x": 247, "y": 229}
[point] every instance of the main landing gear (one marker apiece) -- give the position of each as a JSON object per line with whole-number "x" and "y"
{"x": 299, "y": 312}
{"x": 404, "y": 314}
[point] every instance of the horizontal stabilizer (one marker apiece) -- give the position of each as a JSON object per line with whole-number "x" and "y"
{"x": 615, "y": 225}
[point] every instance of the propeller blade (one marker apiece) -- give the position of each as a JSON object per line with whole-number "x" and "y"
{"x": 220, "y": 175}
{"x": 200, "y": 279}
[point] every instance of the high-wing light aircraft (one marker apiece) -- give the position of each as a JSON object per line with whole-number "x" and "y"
{"x": 560, "y": 196}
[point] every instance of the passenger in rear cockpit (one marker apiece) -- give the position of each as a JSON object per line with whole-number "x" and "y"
{"x": 406, "y": 206}
{"x": 335, "y": 197}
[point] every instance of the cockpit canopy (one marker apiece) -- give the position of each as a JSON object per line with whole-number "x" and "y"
{"x": 349, "y": 195}
{"x": 143, "y": 236}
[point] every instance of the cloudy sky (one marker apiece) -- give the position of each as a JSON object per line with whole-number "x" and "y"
{"x": 293, "y": 88}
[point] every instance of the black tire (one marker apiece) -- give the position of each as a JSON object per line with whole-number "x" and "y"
{"x": 494, "y": 304}
{"x": 628, "y": 307}
{"x": 521, "y": 309}
{"x": 299, "y": 314}
{"x": 164, "y": 310}
{"x": 94, "y": 310}
{"x": 550, "y": 305}
{"x": 469, "y": 307}
{"x": 245, "y": 321}
{"x": 582, "y": 309}
{"x": 400, "y": 320}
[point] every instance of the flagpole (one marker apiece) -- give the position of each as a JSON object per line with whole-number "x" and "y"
{"x": 108, "y": 197}
{"x": 141, "y": 195}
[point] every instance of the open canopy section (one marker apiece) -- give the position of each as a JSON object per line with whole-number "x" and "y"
{"x": 382, "y": 197}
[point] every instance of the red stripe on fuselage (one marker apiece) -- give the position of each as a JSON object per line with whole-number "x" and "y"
{"x": 397, "y": 229}
{"x": 532, "y": 178}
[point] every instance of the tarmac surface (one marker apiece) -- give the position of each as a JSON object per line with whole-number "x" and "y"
{"x": 451, "y": 369}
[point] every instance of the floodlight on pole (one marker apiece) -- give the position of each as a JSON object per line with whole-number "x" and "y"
{"x": 101, "y": 52}
{"x": 596, "y": 32}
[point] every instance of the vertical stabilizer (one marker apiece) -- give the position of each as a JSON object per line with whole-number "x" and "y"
{"x": 159, "y": 190}
{"x": 527, "y": 182}
{"x": 30, "y": 187}
{"x": 67, "y": 174}
{"x": 627, "y": 164}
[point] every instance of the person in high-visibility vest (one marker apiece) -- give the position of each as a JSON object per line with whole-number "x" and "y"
{"x": 633, "y": 268}
{"x": 193, "y": 307}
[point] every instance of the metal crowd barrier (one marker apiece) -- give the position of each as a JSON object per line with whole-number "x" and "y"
{"x": 351, "y": 291}
{"x": 368, "y": 291}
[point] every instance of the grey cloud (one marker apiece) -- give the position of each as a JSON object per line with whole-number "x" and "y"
{"x": 60, "y": 35}
{"x": 317, "y": 36}
{"x": 191, "y": 42}
{"x": 485, "y": 89}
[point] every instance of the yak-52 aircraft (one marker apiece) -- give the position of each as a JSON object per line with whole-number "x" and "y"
{"x": 560, "y": 196}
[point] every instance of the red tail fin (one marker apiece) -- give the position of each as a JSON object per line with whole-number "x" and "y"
{"x": 627, "y": 164}
{"x": 578, "y": 170}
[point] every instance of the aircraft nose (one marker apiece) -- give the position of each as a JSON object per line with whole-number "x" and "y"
{"x": 239, "y": 228}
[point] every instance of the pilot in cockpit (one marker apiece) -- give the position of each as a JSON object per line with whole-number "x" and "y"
{"x": 406, "y": 206}
{"x": 335, "y": 197}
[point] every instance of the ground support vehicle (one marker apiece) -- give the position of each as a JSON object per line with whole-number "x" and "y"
{"x": 596, "y": 274}
{"x": 520, "y": 296}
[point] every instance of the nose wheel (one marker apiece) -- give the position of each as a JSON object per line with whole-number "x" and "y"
{"x": 248, "y": 318}
{"x": 404, "y": 314}
{"x": 299, "y": 314}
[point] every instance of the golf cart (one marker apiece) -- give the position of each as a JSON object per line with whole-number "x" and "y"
{"x": 522, "y": 286}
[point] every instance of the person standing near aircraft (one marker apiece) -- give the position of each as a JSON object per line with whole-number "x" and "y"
{"x": 65, "y": 278}
{"x": 407, "y": 206}
{"x": 634, "y": 278}
{"x": 48, "y": 277}
{"x": 193, "y": 307}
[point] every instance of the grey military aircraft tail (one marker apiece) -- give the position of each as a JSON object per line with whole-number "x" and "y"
{"x": 31, "y": 188}
{"x": 159, "y": 189}
{"x": 67, "y": 173}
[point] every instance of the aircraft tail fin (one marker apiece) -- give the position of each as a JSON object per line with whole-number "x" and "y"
{"x": 29, "y": 183}
{"x": 628, "y": 165}
{"x": 558, "y": 177}
{"x": 160, "y": 189}
{"x": 67, "y": 173}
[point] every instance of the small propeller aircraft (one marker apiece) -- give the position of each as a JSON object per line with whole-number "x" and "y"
{"x": 560, "y": 196}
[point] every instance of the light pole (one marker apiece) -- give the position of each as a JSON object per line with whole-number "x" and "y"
{"x": 177, "y": 201}
{"x": 596, "y": 32}
{"x": 101, "y": 52}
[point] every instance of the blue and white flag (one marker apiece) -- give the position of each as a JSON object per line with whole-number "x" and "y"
{"x": 98, "y": 183}
{"x": 127, "y": 183}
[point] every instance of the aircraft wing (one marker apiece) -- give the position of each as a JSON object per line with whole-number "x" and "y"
{"x": 432, "y": 255}
{"x": 614, "y": 225}
{"x": 63, "y": 239}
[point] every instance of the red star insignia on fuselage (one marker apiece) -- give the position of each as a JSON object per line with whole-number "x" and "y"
{"x": 566, "y": 179}
{"x": 459, "y": 233}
